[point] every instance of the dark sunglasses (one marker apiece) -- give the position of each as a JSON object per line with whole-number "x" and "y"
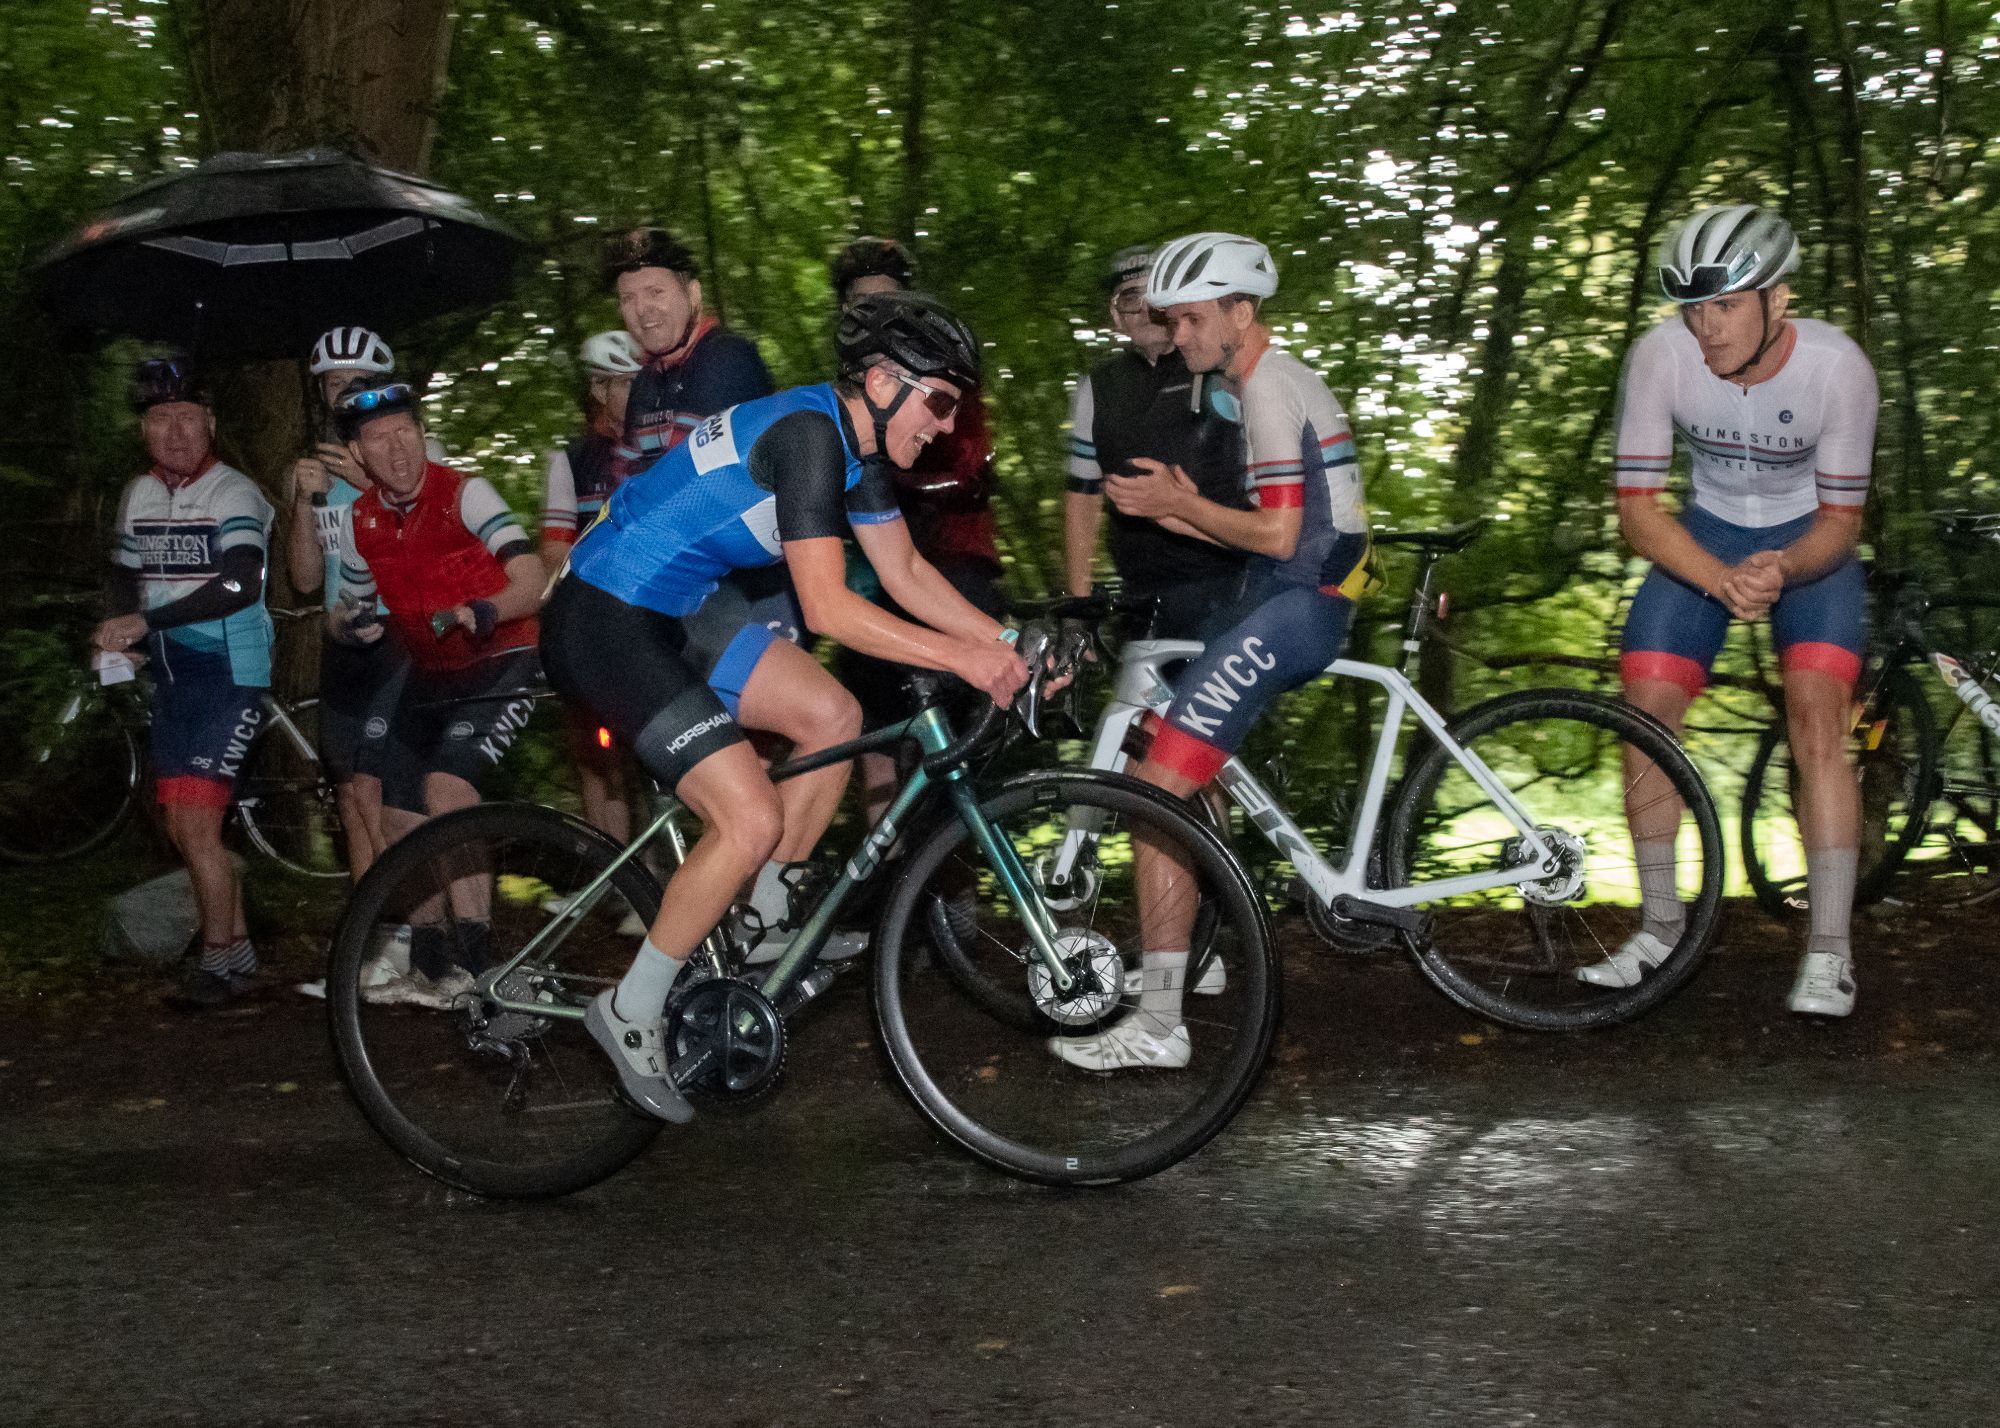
{"x": 942, "y": 405}
{"x": 362, "y": 402}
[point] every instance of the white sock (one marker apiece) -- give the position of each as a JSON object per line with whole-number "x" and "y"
{"x": 1162, "y": 976}
{"x": 642, "y": 995}
{"x": 1660, "y": 910}
{"x": 1830, "y": 874}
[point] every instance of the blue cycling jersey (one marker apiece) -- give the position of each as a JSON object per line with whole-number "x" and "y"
{"x": 750, "y": 478}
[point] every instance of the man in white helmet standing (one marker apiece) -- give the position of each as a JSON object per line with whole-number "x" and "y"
{"x": 581, "y": 478}
{"x": 1777, "y": 415}
{"x": 1307, "y": 535}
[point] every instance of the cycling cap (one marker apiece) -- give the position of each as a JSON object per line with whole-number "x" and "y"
{"x": 1727, "y": 249}
{"x": 872, "y": 258}
{"x": 916, "y": 332}
{"x": 647, "y": 248}
{"x": 362, "y": 401}
{"x": 1127, "y": 264}
{"x": 351, "y": 349}
{"x": 611, "y": 354}
{"x": 1210, "y": 265}
{"x": 161, "y": 380}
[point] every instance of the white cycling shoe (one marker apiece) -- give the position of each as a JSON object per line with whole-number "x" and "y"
{"x": 1214, "y": 980}
{"x": 1126, "y": 1046}
{"x": 638, "y": 1051}
{"x": 1628, "y": 966}
{"x": 1825, "y": 985}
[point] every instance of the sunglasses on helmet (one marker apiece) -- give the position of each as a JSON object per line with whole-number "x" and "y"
{"x": 361, "y": 403}
{"x": 1704, "y": 280}
{"x": 940, "y": 404}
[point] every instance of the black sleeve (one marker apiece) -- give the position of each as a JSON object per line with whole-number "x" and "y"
{"x": 238, "y": 584}
{"x": 121, "y": 591}
{"x": 511, "y": 549}
{"x": 802, "y": 461}
{"x": 873, "y": 498}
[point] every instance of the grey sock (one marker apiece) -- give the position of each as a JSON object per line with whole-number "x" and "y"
{"x": 1162, "y": 976}
{"x": 1830, "y": 874}
{"x": 642, "y": 994}
{"x": 1660, "y": 909}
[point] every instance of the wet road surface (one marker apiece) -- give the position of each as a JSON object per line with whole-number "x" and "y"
{"x": 1430, "y": 1224}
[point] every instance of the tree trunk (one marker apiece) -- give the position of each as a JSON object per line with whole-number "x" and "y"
{"x": 272, "y": 75}
{"x": 914, "y": 157}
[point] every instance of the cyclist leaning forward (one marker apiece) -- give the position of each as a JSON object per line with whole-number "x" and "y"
{"x": 1777, "y": 415}
{"x": 778, "y": 480}
{"x": 1308, "y": 538}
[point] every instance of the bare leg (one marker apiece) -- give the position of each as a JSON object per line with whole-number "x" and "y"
{"x": 789, "y": 693}
{"x": 196, "y": 832}
{"x": 361, "y": 821}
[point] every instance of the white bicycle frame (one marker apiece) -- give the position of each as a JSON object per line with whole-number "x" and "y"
{"x": 1142, "y": 687}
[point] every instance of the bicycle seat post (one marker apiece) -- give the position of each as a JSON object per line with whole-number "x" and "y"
{"x": 1420, "y": 608}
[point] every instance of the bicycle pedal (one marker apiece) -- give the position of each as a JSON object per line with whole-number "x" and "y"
{"x": 1406, "y": 920}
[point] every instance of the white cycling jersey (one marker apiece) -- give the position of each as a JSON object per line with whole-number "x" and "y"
{"x": 1761, "y": 457}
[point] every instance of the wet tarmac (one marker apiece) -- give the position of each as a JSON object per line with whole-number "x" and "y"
{"x": 1423, "y": 1222}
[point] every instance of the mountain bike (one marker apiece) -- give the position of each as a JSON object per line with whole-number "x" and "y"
{"x": 1508, "y": 822}
{"x": 1930, "y": 782}
{"x": 72, "y": 765}
{"x": 978, "y": 966}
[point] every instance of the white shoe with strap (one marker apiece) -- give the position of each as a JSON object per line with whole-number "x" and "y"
{"x": 1824, "y": 986}
{"x": 1628, "y": 966}
{"x": 1130, "y": 1044}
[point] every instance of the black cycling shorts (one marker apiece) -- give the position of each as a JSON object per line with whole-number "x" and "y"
{"x": 460, "y": 722}
{"x": 628, "y": 668}
{"x": 359, "y": 688}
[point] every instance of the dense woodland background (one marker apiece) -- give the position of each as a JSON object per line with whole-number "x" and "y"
{"x": 1461, "y": 198}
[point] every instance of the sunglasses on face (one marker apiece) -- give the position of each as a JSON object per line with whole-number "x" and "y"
{"x": 941, "y": 404}
{"x": 368, "y": 401}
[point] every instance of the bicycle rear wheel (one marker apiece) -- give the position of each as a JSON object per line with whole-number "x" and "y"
{"x": 996, "y": 1087}
{"x": 496, "y": 1102}
{"x": 1954, "y": 859}
{"x": 1894, "y": 749}
{"x": 289, "y": 808}
{"x": 1513, "y": 953}
{"x": 69, "y": 766}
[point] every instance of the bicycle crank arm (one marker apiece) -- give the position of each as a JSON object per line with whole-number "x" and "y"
{"x": 1406, "y": 920}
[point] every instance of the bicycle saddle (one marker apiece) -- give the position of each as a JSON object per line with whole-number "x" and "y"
{"x": 1445, "y": 542}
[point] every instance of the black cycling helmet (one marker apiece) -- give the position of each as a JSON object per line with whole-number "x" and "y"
{"x": 638, "y": 248}
{"x": 916, "y": 332}
{"x": 365, "y": 398}
{"x": 872, "y": 258}
{"x": 160, "y": 380}
{"x": 1127, "y": 264}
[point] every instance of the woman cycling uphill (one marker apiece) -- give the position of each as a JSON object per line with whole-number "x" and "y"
{"x": 778, "y": 479}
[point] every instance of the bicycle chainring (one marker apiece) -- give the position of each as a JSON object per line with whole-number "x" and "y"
{"x": 1098, "y": 974}
{"x": 727, "y": 1043}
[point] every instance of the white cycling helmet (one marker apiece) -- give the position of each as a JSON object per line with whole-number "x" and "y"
{"x": 351, "y": 349}
{"x": 1730, "y": 248}
{"x": 611, "y": 354}
{"x": 1210, "y": 265}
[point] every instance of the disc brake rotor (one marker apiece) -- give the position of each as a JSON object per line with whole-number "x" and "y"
{"x": 1097, "y": 975}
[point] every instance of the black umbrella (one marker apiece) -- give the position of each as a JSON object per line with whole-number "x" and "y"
{"x": 254, "y": 255}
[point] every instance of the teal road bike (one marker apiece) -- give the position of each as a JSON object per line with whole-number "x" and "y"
{"x": 977, "y": 969}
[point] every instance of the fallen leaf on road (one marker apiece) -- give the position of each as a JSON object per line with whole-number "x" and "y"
{"x": 987, "y": 1073}
{"x": 1471, "y": 1038}
{"x": 1173, "y": 1289}
{"x": 286, "y": 1086}
{"x": 990, "y": 1346}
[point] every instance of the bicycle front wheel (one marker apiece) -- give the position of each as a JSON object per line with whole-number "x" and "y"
{"x": 289, "y": 809}
{"x": 991, "y": 1079}
{"x": 69, "y": 769}
{"x": 497, "y": 1102}
{"x": 1894, "y": 752}
{"x": 1523, "y": 953}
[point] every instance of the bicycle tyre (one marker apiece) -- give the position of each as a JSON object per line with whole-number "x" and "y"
{"x": 1000, "y": 1093}
{"x": 69, "y": 785}
{"x": 291, "y": 817}
{"x": 1538, "y": 989}
{"x": 416, "y": 1075}
{"x": 1909, "y": 726}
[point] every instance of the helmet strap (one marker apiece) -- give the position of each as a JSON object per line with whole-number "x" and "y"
{"x": 882, "y": 416}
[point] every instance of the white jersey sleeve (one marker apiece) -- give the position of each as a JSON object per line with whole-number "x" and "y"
{"x": 242, "y": 515}
{"x": 357, "y": 581}
{"x": 1085, "y": 475}
{"x": 1644, "y": 450}
{"x": 487, "y": 516}
{"x": 559, "y": 498}
{"x": 1845, "y": 457}
{"x": 125, "y": 550}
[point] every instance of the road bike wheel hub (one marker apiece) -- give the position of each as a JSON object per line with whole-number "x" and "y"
{"x": 1565, "y": 881}
{"x": 1098, "y": 974}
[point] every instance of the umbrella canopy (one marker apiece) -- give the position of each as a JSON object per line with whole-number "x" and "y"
{"x": 254, "y": 255}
